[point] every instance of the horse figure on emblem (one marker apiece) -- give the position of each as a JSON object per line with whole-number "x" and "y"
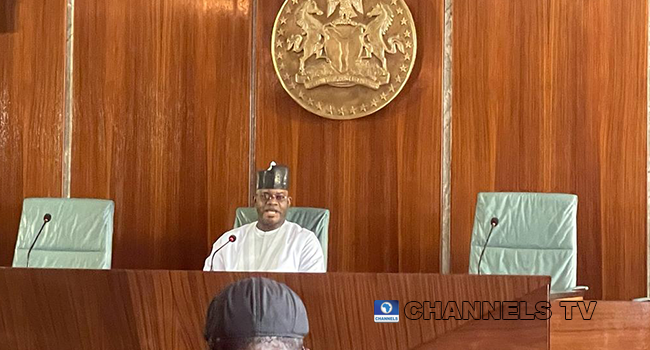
{"x": 311, "y": 44}
{"x": 375, "y": 31}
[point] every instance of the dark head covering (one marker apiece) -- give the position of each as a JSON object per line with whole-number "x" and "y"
{"x": 256, "y": 307}
{"x": 276, "y": 177}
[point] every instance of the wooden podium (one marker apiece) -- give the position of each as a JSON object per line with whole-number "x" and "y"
{"x": 151, "y": 309}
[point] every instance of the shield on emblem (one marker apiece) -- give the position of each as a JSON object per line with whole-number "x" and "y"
{"x": 344, "y": 47}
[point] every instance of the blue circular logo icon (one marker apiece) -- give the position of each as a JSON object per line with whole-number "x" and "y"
{"x": 386, "y": 308}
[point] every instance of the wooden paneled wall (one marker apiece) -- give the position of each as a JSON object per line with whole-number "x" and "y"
{"x": 161, "y": 122}
{"x": 550, "y": 96}
{"x": 379, "y": 175}
{"x": 32, "y": 47}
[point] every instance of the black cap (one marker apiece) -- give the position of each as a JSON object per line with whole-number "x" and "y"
{"x": 256, "y": 307}
{"x": 276, "y": 177}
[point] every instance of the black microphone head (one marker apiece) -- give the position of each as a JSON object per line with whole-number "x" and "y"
{"x": 47, "y": 217}
{"x": 494, "y": 222}
{"x": 232, "y": 238}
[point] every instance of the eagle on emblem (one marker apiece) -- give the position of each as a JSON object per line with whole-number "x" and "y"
{"x": 347, "y": 8}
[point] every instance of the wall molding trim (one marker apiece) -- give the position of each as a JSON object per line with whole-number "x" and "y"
{"x": 445, "y": 164}
{"x": 68, "y": 100}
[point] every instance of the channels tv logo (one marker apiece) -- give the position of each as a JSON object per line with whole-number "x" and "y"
{"x": 386, "y": 311}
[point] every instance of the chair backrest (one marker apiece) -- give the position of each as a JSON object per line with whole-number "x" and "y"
{"x": 536, "y": 235}
{"x": 79, "y": 235}
{"x": 316, "y": 220}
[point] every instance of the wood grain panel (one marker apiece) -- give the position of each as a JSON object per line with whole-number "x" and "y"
{"x": 496, "y": 98}
{"x": 32, "y": 43}
{"x": 511, "y": 333}
{"x": 549, "y": 96}
{"x": 378, "y": 175}
{"x": 161, "y": 122}
{"x": 613, "y": 325}
{"x": 120, "y": 309}
{"x": 615, "y": 70}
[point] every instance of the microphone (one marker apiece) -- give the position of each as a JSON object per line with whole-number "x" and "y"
{"x": 46, "y": 219}
{"x": 232, "y": 238}
{"x": 493, "y": 223}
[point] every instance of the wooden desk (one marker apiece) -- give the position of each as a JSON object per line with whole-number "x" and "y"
{"x": 615, "y": 325}
{"x": 160, "y": 310}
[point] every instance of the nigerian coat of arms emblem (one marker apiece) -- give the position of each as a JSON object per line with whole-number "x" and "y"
{"x": 343, "y": 59}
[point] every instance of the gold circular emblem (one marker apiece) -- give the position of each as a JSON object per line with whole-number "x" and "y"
{"x": 343, "y": 59}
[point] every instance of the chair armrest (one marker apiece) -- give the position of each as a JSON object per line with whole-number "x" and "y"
{"x": 580, "y": 288}
{"x": 577, "y": 293}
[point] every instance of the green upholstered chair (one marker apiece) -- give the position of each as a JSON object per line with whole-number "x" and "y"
{"x": 536, "y": 235}
{"x": 79, "y": 235}
{"x": 316, "y": 220}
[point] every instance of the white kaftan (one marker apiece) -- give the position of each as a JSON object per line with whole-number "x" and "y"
{"x": 290, "y": 248}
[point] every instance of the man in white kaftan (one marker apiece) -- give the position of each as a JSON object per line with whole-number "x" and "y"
{"x": 272, "y": 243}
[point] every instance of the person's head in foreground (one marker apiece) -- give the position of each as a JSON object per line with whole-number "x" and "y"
{"x": 272, "y": 197}
{"x": 256, "y": 314}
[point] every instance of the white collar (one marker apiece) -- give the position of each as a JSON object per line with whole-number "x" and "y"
{"x": 268, "y": 233}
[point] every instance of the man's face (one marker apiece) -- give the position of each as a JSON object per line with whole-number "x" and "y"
{"x": 271, "y": 208}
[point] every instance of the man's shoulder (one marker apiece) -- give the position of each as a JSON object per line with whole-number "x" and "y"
{"x": 244, "y": 227}
{"x": 297, "y": 228}
{"x": 237, "y": 231}
{"x": 301, "y": 231}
